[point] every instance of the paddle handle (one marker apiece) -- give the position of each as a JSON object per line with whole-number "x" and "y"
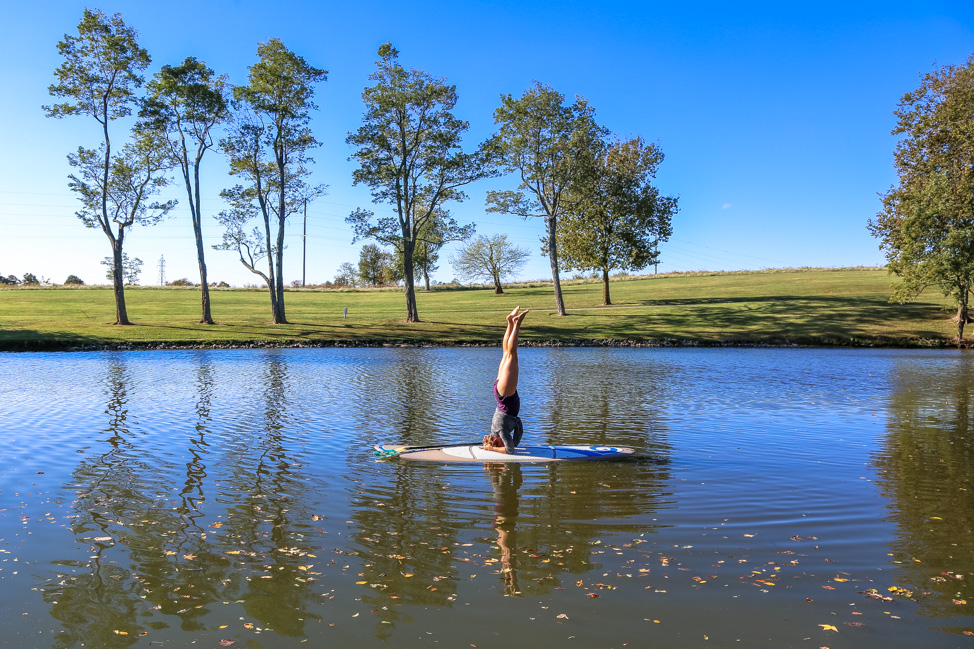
{"x": 399, "y": 450}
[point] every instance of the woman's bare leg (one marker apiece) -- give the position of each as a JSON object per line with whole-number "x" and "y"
{"x": 507, "y": 373}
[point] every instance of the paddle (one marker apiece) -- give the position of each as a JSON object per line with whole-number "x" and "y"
{"x": 399, "y": 450}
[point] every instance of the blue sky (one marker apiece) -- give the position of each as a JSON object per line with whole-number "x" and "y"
{"x": 775, "y": 118}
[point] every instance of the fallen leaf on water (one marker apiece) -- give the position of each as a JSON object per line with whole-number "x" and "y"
{"x": 828, "y": 627}
{"x": 562, "y": 616}
{"x": 226, "y": 643}
{"x": 248, "y": 625}
{"x": 189, "y": 556}
{"x": 828, "y": 587}
{"x": 121, "y": 632}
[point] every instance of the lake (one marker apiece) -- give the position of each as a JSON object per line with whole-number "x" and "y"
{"x": 779, "y": 498}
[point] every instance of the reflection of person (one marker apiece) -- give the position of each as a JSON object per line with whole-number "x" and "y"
{"x": 505, "y": 428}
{"x": 506, "y": 481}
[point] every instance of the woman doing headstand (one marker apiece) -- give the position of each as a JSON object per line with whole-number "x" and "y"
{"x": 505, "y": 428}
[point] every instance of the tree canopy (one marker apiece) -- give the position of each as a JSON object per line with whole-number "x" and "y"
{"x": 616, "y": 218}
{"x": 409, "y": 153}
{"x": 926, "y": 226}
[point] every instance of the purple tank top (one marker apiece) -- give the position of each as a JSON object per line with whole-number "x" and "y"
{"x": 510, "y": 404}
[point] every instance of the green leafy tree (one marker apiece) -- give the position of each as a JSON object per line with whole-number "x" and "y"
{"x": 131, "y": 268}
{"x": 377, "y": 267}
{"x": 409, "y": 154}
{"x": 99, "y": 77}
{"x": 346, "y": 275}
{"x": 616, "y": 218}
{"x": 187, "y": 103}
{"x": 926, "y": 226}
{"x": 269, "y": 148}
{"x": 74, "y": 279}
{"x": 490, "y": 259}
{"x": 30, "y": 279}
{"x": 546, "y": 143}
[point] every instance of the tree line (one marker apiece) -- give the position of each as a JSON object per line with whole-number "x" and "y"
{"x": 594, "y": 191}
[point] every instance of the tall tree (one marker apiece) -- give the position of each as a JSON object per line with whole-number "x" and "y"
{"x": 616, "y": 218}
{"x": 489, "y": 258}
{"x": 926, "y": 226}
{"x": 409, "y": 154}
{"x": 546, "y": 142}
{"x": 98, "y": 78}
{"x": 187, "y": 103}
{"x": 269, "y": 147}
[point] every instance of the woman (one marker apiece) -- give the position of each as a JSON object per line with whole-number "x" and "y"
{"x": 505, "y": 427}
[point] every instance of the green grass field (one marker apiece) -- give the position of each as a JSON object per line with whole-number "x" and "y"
{"x": 812, "y": 307}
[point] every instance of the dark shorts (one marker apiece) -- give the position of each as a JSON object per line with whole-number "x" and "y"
{"x": 508, "y": 428}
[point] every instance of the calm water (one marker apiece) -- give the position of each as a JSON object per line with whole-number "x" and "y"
{"x": 782, "y": 498}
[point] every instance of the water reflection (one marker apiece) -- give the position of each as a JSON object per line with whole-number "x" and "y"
{"x": 927, "y": 472}
{"x": 428, "y": 529}
{"x": 153, "y": 550}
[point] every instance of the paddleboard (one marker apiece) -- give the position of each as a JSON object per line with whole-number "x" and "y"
{"x": 475, "y": 453}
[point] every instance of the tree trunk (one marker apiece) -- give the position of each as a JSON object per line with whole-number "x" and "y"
{"x": 497, "y": 285}
{"x": 118, "y": 283}
{"x": 426, "y": 277}
{"x": 279, "y": 315}
{"x": 605, "y": 288}
{"x": 198, "y": 231}
{"x": 412, "y": 312}
{"x": 553, "y": 258}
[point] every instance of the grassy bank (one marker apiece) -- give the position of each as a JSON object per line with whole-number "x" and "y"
{"x": 815, "y": 307}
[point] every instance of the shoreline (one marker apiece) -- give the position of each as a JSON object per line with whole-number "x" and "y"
{"x": 829, "y": 343}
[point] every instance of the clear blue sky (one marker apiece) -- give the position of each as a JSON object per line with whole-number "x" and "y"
{"x": 775, "y": 118}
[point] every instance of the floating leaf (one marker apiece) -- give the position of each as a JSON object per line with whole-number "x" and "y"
{"x": 828, "y": 627}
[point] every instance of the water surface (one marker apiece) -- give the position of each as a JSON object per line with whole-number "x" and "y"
{"x": 780, "y": 498}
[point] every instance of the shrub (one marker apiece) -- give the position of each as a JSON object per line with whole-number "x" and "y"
{"x": 74, "y": 279}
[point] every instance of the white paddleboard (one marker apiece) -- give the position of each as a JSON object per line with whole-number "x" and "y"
{"x": 475, "y": 453}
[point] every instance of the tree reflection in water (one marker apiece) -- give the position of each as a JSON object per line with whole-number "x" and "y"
{"x": 154, "y": 552}
{"x": 926, "y": 468}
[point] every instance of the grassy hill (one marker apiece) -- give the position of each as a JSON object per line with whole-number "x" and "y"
{"x": 805, "y": 306}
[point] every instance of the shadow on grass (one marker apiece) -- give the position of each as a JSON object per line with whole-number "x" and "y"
{"x": 772, "y": 319}
{"x": 30, "y": 340}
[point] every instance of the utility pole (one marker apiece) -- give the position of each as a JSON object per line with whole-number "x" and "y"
{"x": 304, "y": 243}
